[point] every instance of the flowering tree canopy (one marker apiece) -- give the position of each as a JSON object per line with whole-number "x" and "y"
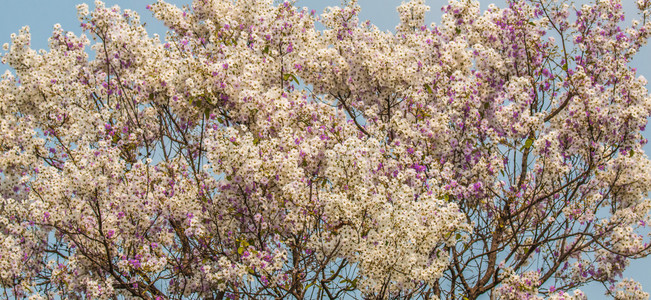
{"x": 249, "y": 154}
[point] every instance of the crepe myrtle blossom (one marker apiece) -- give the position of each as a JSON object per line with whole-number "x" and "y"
{"x": 248, "y": 154}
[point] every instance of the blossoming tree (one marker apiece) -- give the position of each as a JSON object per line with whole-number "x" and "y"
{"x": 250, "y": 155}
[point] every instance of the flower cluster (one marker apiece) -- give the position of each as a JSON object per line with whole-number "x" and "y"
{"x": 249, "y": 154}
{"x": 629, "y": 289}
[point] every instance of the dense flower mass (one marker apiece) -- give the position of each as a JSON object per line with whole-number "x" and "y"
{"x": 248, "y": 154}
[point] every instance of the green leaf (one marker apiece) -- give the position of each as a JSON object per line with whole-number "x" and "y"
{"x": 265, "y": 50}
{"x": 630, "y": 154}
{"x": 458, "y": 236}
{"x": 447, "y": 197}
{"x": 288, "y": 76}
{"x": 428, "y": 88}
{"x": 244, "y": 244}
{"x": 565, "y": 67}
{"x": 458, "y": 30}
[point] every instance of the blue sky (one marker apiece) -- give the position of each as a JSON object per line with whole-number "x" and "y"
{"x": 41, "y": 15}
